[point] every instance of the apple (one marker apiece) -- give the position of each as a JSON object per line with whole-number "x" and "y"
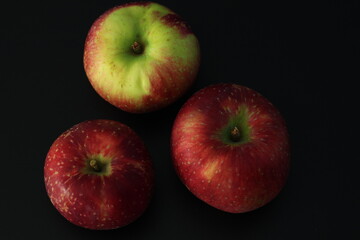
{"x": 230, "y": 148}
{"x": 98, "y": 175}
{"x": 141, "y": 56}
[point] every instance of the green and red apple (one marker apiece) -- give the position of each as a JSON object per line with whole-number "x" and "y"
{"x": 98, "y": 175}
{"x": 230, "y": 148}
{"x": 141, "y": 57}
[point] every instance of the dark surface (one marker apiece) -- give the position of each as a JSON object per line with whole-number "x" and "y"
{"x": 302, "y": 57}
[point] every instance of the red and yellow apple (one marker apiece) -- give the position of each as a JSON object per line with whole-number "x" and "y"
{"x": 141, "y": 57}
{"x": 98, "y": 175}
{"x": 230, "y": 148}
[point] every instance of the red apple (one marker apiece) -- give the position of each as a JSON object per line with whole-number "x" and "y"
{"x": 98, "y": 175}
{"x": 230, "y": 148}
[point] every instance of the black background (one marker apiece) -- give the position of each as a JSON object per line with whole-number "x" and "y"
{"x": 302, "y": 57}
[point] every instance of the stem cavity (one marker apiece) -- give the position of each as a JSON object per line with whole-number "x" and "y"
{"x": 137, "y": 48}
{"x": 235, "y": 135}
{"x": 94, "y": 165}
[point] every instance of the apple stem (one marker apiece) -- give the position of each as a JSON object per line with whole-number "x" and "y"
{"x": 93, "y": 163}
{"x": 137, "y": 48}
{"x": 235, "y": 135}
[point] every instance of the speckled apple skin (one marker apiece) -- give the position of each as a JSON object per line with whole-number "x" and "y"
{"x": 232, "y": 178}
{"x": 89, "y": 200}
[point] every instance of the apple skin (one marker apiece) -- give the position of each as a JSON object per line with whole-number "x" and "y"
{"x": 233, "y": 176}
{"x": 106, "y": 199}
{"x": 162, "y": 71}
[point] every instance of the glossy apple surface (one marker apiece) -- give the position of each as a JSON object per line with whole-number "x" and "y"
{"x": 141, "y": 56}
{"x": 98, "y": 175}
{"x": 230, "y": 148}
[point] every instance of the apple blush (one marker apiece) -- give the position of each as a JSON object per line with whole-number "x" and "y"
{"x": 230, "y": 148}
{"x": 98, "y": 175}
{"x": 141, "y": 56}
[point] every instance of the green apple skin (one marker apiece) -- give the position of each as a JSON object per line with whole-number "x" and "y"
{"x": 151, "y": 76}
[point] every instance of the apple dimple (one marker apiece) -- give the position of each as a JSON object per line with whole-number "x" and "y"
{"x": 235, "y": 134}
{"x": 98, "y": 165}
